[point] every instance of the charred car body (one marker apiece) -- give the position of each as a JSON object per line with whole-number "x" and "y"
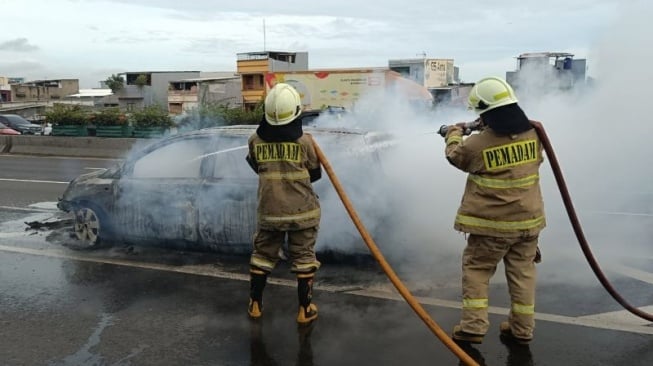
{"x": 196, "y": 191}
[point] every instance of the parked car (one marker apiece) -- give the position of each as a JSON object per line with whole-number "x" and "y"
{"x": 20, "y": 124}
{"x": 195, "y": 191}
{"x": 5, "y": 130}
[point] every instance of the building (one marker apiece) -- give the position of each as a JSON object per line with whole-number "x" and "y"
{"x": 5, "y": 89}
{"x": 438, "y": 75}
{"x": 146, "y": 88}
{"x": 429, "y": 72}
{"x": 253, "y": 66}
{"x": 44, "y": 90}
{"x": 89, "y": 97}
{"x": 545, "y": 71}
{"x": 187, "y": 94}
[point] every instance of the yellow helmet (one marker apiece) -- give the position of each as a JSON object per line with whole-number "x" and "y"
{"x": 282, "y": 105}
{"x": 489, "y": 93}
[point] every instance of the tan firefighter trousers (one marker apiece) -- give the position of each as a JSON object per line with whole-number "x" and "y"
{"x": 301, "y": 247}
{"x": 480, "y": 259}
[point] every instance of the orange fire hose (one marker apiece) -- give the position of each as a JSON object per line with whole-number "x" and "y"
{"x": 376, "y": 253}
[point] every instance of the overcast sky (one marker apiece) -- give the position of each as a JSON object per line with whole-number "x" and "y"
{"x": 91, "y": 39}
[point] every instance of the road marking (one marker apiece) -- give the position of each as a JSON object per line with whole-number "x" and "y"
{"x": 32, "y": 181}
{"x": 19, "y": 156}
{"x": 14, "y": 234}
{"x": 632, "y": 273}
{"x": 618, "y": 213}
{"x": 28, "y": 209}
{"x": 621, "y": 316}
{"x": 592, "y": 321}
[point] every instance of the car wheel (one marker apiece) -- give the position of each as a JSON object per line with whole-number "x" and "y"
{"x": 89, "y": 226}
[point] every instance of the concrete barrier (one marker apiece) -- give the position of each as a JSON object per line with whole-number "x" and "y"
{"x": 5, "y": 144}
{"x": 91, "y": 147}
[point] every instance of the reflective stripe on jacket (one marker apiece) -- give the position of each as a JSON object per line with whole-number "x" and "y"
{"x": 502, "y": 194}
{"x": 286, "y": 200}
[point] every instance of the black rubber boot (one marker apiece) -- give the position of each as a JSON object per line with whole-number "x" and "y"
{"x": 307, "y": 310}
{"x": 257, "y": 280}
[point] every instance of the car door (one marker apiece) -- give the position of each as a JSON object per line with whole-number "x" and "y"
{"x": 156, "y": 197}
{"x": 227, "y": 204}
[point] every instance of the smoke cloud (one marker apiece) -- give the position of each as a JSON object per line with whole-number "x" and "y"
{"x": 407, "y": 194}
{"x": 599, "y": 132}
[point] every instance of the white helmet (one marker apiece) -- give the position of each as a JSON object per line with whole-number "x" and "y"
{"x": 282, "y": 105}
{"x": 490, "y": 93}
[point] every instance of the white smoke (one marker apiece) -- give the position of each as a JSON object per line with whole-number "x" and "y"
{"x": 600, "y": 135}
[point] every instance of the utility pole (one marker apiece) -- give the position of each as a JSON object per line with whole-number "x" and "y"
{"x": 264, "y": 47}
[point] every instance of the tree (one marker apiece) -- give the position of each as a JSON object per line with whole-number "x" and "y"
{"x": 115, "y": 83}
{"x": 141, "y": 80}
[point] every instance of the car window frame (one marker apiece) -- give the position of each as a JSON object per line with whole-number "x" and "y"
{"x": 127, "y": 169}
{"x": 211, "y": 160}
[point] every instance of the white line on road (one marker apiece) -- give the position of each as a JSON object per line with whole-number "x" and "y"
{"x": 19, "y": 156}
{"x": 13, "y": 234}
{"x": 32, "y": 181}
{"x": 618, "y": 213}
{"x": 608, "y": 323}
{"x": 28, "y": 209}
{"x": 632, "y": 273}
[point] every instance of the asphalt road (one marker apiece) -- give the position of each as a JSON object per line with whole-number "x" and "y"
{"x": 26, "y": 180}
{"x": 129, "y": 305}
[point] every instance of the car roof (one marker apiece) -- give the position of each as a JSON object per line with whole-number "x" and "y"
{"x": 246, "y": 130}
{"x": 15, "y": 118}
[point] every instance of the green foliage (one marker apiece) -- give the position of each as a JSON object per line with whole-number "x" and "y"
{"x": 153, "y": 116}
{"x": 216, "y": 114}
{"x": 239, "y": 116}
{"x": 64, "y": 115}
{"x": 141, "y": 80}
{"x": 115, "y": 83}
{"x": 109, "y": 117}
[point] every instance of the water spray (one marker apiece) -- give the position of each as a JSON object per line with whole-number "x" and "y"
{"x": 218, "y": 152}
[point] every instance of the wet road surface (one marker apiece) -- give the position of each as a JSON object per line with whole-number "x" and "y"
{"x": 127, "y": 305}
{"x": 149, "y": 306}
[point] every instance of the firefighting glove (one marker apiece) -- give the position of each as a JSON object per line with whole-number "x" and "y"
{"x": 538, "y": 256}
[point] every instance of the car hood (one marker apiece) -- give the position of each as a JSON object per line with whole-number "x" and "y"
{"x": 88, "y": 176}
{"x": 83, "y": 185}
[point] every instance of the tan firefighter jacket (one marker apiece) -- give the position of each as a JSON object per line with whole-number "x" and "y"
{"x": 286, "y": 200}
{"x": 502, "y": 196}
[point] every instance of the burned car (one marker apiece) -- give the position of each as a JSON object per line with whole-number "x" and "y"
{"x": 196, "y": 191}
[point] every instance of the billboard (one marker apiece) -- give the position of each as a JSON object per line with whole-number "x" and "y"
{"x": 343, "y": 88}
{"x": 320, "y": 89}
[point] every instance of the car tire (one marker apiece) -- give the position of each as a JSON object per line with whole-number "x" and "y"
{"x": 90, "y": 226}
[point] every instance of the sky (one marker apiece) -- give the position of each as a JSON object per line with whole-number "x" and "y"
{"x": 91, "y": 39}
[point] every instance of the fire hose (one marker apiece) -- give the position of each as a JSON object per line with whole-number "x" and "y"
{"x": 376, "y": 253}
{"x": 468, "y": 127}
{"x": 410, "y": 299}
{"x": 575, "y": 223}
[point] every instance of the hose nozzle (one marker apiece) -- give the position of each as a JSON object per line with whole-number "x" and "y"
{"x": 468, "y": 127}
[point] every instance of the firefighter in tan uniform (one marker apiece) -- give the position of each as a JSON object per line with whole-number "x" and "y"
{"x": 501, "y": 210}
{"x": 285, "y": 160}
